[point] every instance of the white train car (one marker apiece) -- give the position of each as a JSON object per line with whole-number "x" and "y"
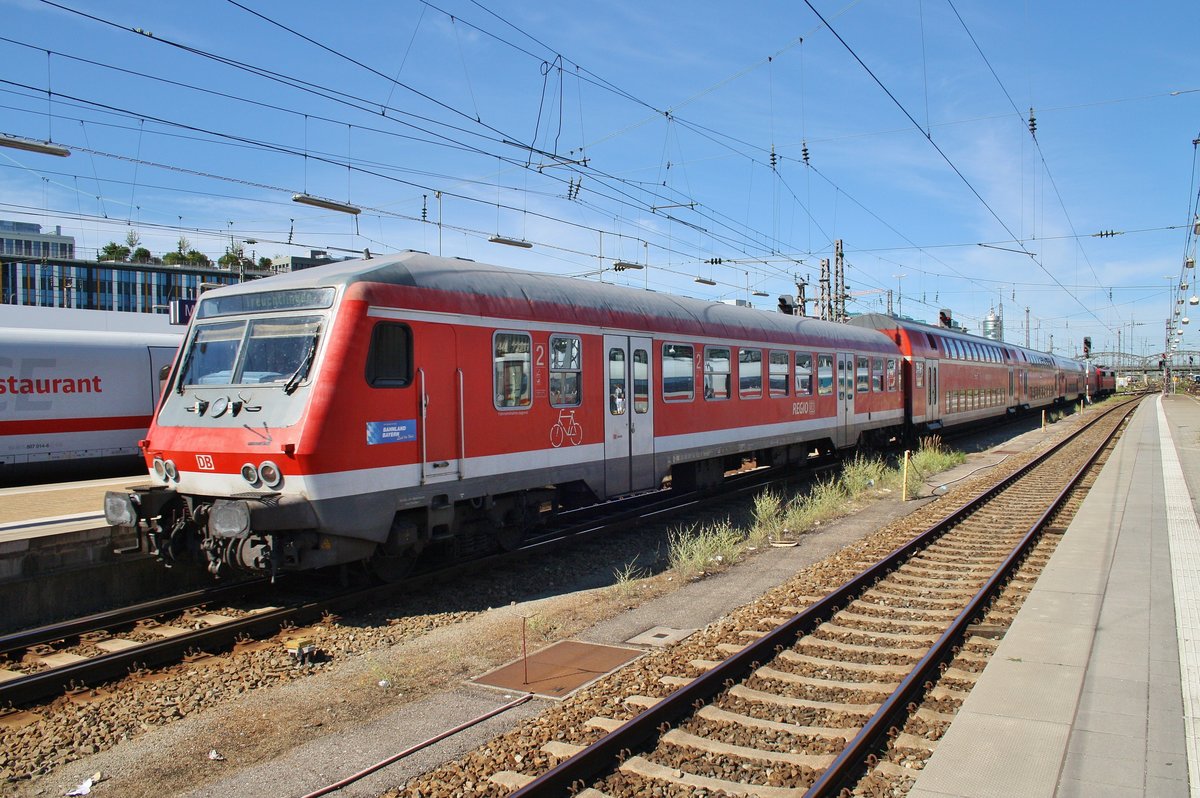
{"x": 72, "y": 400}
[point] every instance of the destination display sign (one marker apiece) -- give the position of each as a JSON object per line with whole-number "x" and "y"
{"x": 265, "y": 301}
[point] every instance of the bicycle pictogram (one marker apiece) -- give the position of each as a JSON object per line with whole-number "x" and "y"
{"x": 566, "y": 429}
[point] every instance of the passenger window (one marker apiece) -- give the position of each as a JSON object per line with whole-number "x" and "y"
{"x": 389, "y": 359}
{"x": 892, "y": 383}
{"x": 877, "y": 374}
{"x": 803, "y": 374}
{"x": 641, "y": 381}
{"x": 750, "y": 373}
{"x": 511, "y": 361}
{"x": 864, "y": 374}
{"x": 778, "y": 373}
{"x": 678, "y": 375}
{"x": 919, "y": 374}
{"x": 616, "y": 382}
{"x": 716, "y": 373}
{"x": 566, "y": 370}
{"x": 824, "y": 375}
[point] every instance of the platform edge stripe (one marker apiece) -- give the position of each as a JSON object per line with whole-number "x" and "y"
{"x": 1183, "y": 532}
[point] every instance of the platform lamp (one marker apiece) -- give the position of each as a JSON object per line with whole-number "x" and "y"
{"x": 33, "y": 145}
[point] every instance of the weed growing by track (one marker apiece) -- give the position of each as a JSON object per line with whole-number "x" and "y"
{"x": 697, "y": 550}
{"x": 931, "y": 457}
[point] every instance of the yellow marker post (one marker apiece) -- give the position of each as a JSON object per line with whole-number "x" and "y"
{"x": 904, "y": 490}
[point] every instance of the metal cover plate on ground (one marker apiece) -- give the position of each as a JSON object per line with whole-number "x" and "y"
{"x": 659, "y": 636}
{"x": 560, "y": 669}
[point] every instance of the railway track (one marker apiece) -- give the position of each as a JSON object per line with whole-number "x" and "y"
{"x": 811, "y": 704}
{"x": 76, "y": 655}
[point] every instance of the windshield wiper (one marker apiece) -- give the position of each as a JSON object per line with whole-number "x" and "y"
{"x": 302, "y": 370}
{"x": 183, "y": 370}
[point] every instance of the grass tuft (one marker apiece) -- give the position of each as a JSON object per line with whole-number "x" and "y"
{"x": 931, "y": 457}
{"x": 696, "y": 550}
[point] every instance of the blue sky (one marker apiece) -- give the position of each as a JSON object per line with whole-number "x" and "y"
{"x": 642, "y": 132}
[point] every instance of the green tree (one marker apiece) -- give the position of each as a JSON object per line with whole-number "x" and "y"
{"x": 141, "y": 255}
{"x": 175, "y": 259}
{"x": 114, "y": 251}
{"x": 132, "y": 239}
{"x": 264, "y": 263}
{"x": 196, "y": 258}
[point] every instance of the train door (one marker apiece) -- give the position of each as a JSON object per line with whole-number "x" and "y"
{"x": 440, "y": 396}
{"x": 629, "y": 415}
{"x": 845, "y": 400}
{"x": 933, "y": 407}
{"x": 1012, "y": 387}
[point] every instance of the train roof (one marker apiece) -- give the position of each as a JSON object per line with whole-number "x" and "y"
{"x": 501, "y": 292}
{"x": 87, "y": 338}
{"x": 881, "y": 321}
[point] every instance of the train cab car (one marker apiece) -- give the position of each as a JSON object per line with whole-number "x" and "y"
{"x": 369, "y": 409}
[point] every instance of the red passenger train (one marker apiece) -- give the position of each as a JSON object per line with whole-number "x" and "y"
{"x": 368, "y": 409}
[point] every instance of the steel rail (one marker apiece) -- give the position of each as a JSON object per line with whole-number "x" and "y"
{"x": 123, "y": 616}
{"x": 579, "y": 768}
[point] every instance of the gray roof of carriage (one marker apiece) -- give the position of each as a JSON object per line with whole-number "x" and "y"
{"x": 882, "y": 321}
{"x": 458, "y": 275}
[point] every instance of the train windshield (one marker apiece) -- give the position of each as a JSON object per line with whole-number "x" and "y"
{"x": 252, "y": 352}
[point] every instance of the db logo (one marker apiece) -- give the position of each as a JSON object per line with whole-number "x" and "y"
{"x": 204, "y": 462}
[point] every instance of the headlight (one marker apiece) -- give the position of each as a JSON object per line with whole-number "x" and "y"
{"x": 270, "y": 474}
{"x": 119, "y": 509}
{"x": 229, "y": 519}
{"x": 172, "y": 472}
{"x": 160, "y": 469}
{"x": 250, "y": 473}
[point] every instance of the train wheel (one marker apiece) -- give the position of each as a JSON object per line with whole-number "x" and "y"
{"x": 510, "y": 536}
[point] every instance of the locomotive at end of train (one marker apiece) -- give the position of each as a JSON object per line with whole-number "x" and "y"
{"x": 369, "y": 410}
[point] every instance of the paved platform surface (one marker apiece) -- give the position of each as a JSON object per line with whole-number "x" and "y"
{"x": 1084, "y": 695}
{"x": 54, "y": 509}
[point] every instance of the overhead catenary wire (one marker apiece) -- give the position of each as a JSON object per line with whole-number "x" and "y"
{"x": 954, "y": 167}
{"x": 691, "y": 221}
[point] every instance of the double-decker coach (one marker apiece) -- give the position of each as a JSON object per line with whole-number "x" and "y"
{"x": 954, "y": 378}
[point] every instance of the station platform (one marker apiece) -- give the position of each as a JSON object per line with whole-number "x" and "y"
{"x": 58, "y": 557}
{"x": 1084, "y": 696}
{"x": 31, "y": 511}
